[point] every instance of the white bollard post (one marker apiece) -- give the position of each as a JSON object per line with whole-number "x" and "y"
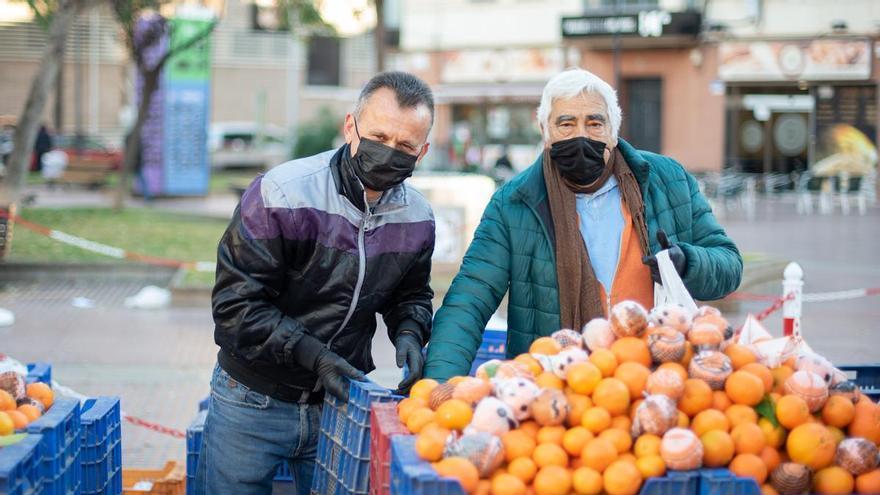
{"x": 792, "y": 283}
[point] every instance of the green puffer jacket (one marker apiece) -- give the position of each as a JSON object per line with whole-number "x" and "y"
{"x": 513, "y": 248}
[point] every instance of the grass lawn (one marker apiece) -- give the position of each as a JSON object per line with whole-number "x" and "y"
{"x": 140, "y": 230}
{"x": 220, "y": 181}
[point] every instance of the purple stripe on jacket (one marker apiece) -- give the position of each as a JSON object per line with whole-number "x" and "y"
{"x": 329, "y": 230}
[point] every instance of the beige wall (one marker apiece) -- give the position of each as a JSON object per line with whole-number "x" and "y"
{"x": 693, "y": 119}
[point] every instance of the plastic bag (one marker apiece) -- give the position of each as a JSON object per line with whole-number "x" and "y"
{"x": 673, "y": 290}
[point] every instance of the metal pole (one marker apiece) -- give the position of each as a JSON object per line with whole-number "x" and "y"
{"x": 94, "y": 70}
{"x": 616, "y": 46}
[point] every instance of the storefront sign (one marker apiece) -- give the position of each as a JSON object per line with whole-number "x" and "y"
{"x": 807, "y": 60}
{"x": 510, "y": 65}
{"x": 646, "y": 24}
{"x": 846, "y": 130}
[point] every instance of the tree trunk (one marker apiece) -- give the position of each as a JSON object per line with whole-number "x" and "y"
{"x": 133, "y": 138}
{"x": 29, "y": 123}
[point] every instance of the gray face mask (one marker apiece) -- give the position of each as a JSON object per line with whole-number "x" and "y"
{"x": 380, "y": 167}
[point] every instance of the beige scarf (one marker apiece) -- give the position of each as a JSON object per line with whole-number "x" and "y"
{"x": 579, "y": 291}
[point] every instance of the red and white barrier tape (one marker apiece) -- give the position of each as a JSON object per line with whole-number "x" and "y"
{"x": 106, "y": 250}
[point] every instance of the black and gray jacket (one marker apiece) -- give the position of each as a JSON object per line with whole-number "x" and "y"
{"x": 303, "y": 255}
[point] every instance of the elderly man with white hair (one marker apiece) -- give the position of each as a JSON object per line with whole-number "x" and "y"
{"x": 577, "y": 232}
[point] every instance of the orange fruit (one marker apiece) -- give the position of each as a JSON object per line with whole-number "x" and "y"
{"x": 740, "y": 355}
{"x": 530, "y": 428}
{"x": 484, "y": 487}
{"x": 767, "y": 489}
{"x": 738, "y": 414}
{"x": 771, "y": 458}
{"x": 749, "y": 465}
{"x": 7, "y": 425}
{"x": 866, "y": 422}
{"x": 627, "y": 457}
{"x": 550, "y": 454}
{"x": 718, "y": 448}
{"x": 549, "y": 380}
{"x": 622, "y": 478}
{"x": 833, "y": 480}
{"x": 868, "y": 482}
{"x": 545, "y": 345}
{"x": 761, "y": 372}
{"x": 598, "y": 454}
{"x": 634, "y": 407}
{"x": 30, "y": 411}
{"x": 517, "y": 443}
{"x": 792, "y": 411}
{"x": 621, "y": 439}
{"x": 621, "y": 423}
{"x": 418, "y": 419}
{"x": 632, "y": 349}
{"x": 552, "y": 480}
{"x": 838, "y": 411}
{"x": 550, "y": 434}
{"x": 523, "y": 468}
{"x": 780, "y": 375}
{"x": 586, "y": 481}
{"x": 683, "y": 420}
{"x": 408, "y": 405}
{"x": 577, "y": 404}
{"x": 18, "y": 419}
{"x": 583, "y": 377}
{"x": 507, "y": 484}
{"x": 634, "y": 375}
{"x": 423, "y": 388}
{"x": 774, "y": 436}
{"x": 837, "y": 433}
{"x": 455, "y": 380}
{"x": 461, "y": 469}
{"x": 744, "y": 388}
{"x": 646, "y": 445}
{"x": 676, "y": 367}
{"x": 710, "y": 419}
{"x": 697, "y": 397}
{"x": 531, "y": 363}
{"x": 748, "y": 438}
{"x": 430, "y": 443}
{"x": 605, "y": 360}
{"x": 7, "y": 401}
{"x": 811, "y": 444}
{"x": 651, "y": 466}
{"x": 574, "y": 440}
{"x": 688, "y": 354}
{"x": 720, "y": 400}
{"x": 454, "y": 414}
{"x": 612, "y": 395}
{"x": 41, "y": 392}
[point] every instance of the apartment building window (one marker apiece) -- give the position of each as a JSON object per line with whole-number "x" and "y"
{"x": 323, "y": 61}
{"x": 642, "y": 106}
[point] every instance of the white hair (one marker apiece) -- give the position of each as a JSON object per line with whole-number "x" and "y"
{"x": 572, "y": 82}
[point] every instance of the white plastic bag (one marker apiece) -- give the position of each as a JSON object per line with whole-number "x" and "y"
{"x": 673, "y": 290}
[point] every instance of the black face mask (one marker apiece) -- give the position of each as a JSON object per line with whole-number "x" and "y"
{"x": 580, "y": 160}
{"x": 381, "y": 167}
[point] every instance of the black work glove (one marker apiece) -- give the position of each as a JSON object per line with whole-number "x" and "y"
{"x": 409, "y": 351}
{"x": 679, "y": 261}
{"x": 333, "y": 371}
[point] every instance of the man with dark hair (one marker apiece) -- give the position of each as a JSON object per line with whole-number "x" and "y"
{"x": 314, "y": 250}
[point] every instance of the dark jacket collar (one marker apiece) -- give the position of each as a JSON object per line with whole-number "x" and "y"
{"x": 348, "y": 185}
{"x": 533, "y": 190}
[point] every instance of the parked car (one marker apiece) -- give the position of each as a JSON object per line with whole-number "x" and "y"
{"x": 88, "y": 149}
{"x": 246, "y": 145}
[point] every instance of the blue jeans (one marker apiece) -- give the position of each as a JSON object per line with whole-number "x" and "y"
{"x": 248, "y": 435}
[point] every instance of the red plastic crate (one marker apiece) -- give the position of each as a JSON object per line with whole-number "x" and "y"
{"x": 384, "y": 424}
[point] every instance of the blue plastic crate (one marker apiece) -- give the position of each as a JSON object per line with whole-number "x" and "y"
{"x": 866, "y": 376}
{"x": 410, "y": 475}
{"x": 101, "y": 446}
{"x": 60, "y": 449}
{"x": 20, "y": 467}
{"x": 39, "y": 372}
{"x": 723, "y": 482}
{"x": 673, "y": 483}
{"x": 494, "y": 346}
{"x": 204, "y": 403}
{"x": 355, "y": 473}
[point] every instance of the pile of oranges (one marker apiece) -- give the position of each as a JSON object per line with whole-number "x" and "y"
{"x": 750, "y": 422}
{"x": 16, "y": 414}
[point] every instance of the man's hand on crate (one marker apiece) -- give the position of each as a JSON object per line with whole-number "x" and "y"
{"x": 409, "y": 351}
{"x": 333, "y": 371}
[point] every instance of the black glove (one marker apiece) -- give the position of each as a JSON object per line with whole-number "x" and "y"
{"x": 679, "y": 261}
{"x": 409, "y": 351}
{"x": 333, "y": 371}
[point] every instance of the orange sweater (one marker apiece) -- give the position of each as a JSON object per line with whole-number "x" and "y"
{"x": 632, "y": 279}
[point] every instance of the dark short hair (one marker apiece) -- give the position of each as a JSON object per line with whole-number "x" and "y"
{"x": 409, "y": 90}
